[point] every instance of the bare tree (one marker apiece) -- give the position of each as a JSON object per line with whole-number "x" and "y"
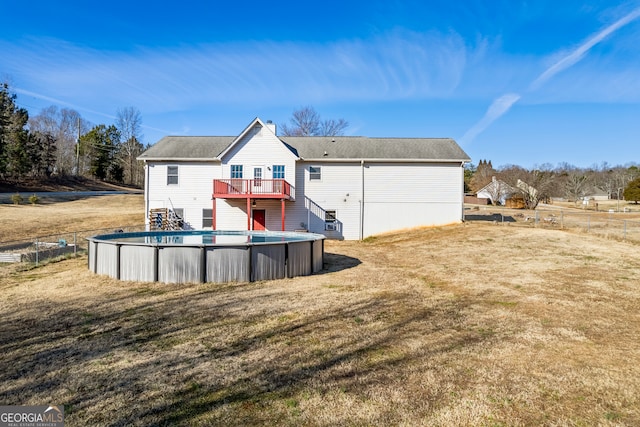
{"x": 63, "y": 125}
{"x": 577, "y": 185}
{"x": 499, "y": 191}
{"x": 333, "y": 127}
{"x": 307, "y": 122}
{"x": 533, "y": 185}
{"x": 129, "y": 123}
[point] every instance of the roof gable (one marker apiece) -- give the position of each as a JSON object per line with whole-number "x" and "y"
{"x": 256, "y": 133}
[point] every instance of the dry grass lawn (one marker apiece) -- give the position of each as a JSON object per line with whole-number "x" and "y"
{"x": 27, "y": 221}
{"x": 472, "y": 325}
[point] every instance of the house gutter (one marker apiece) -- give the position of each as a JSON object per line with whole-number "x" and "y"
{"x": 351, "y": 160}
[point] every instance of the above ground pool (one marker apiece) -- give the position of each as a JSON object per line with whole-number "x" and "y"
{"x": 206, "y": 256}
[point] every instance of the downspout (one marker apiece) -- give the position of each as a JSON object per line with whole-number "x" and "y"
{"x": 362, "y": 200}
{"x": 462, "y": 172}
{"x": 146, "y": 197}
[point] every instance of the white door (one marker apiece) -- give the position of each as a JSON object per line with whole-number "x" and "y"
{"x": 258, "y": 174}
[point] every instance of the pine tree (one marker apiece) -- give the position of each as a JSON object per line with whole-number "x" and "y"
{"x": 632, "y": 191}
{"x": 101, "y": 144}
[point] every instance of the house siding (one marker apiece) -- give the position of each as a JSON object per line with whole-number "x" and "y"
{"x": 406, "y": 195}
{"x": 192, "y": 193}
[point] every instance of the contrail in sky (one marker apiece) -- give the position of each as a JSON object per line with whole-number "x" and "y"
{"x": 502, "y": 105}
{"x": 75, "y": 107}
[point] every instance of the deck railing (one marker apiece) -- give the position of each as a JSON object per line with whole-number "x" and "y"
{"x": 245, "y": 188}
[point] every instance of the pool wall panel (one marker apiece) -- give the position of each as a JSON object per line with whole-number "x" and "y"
{"x": 92, "y": 256}
{"x": 107, "y": 259}
{"x": 137, "y": 263}
{"x": 228, "y": 264}
{"x": 268, "y": 262}
{"x": 179, "y": 264}
{"x": 299, "y": 262}
{"x": 318, "y": 255}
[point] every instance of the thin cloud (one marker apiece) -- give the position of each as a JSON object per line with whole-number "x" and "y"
{"x": 503, "y": 104}
{"x": 76, "y": 107}
{"x": 397, "y": 65}
{"x": 497, "y": 109}
{"x": 583, "y": 49}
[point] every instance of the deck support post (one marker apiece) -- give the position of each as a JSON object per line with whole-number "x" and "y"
{"x": 213, "y": 213}
{"x": 248, "y": 213}
{"x": 282, "y": 212}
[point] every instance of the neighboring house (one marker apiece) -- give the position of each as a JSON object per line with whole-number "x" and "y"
{"x": 597, "y": 194}
{"x": 496, "y": 191}
{"x": 344, "y": 187}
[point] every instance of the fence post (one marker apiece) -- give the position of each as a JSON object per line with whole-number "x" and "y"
{"x": 37, "y": 249}
{"x": 536, "y": 221}
{"x": 75, "y": 243}
{"x": 561, "y": 219}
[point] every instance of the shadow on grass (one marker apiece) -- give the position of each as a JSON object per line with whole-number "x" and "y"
{"x": 177, "y": 355}
{"x": 490, "y": 217}
{"x": 338, "y": 262}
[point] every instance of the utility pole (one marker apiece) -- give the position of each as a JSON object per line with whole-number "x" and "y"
{"x": 78, "y": 150}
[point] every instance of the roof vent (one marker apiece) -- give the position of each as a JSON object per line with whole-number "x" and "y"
{"x": 325, "y": 154}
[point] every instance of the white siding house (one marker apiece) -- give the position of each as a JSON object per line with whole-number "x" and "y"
{"x": 344, "y": 187}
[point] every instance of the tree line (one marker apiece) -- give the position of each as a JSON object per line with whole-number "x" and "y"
{"x": 58, "y": 141}
{"x": 544, "y": 182}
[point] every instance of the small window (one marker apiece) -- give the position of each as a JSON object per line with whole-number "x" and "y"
{"x": 330, "y": 220}
{"x": 236, "y": 171}
{"x": 172, "y": 175}
{"x": 329, "y": 216}
{"x": 207, "y": 218}
{"x": 278, "y": 171}
{"x": 315, "y": 172}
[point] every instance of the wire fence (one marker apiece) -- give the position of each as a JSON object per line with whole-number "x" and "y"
{"x": 610, "y": 224}
{"x": 41, "y": 248}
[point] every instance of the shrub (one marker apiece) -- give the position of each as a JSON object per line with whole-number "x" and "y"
{"x": 33, "y": 199}
{"x": 16, "y": 199}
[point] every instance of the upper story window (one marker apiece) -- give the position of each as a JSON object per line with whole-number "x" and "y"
{"x": 278, "y": 171}
{"x": 315, "y": 172}
{"x": 172, "y": 175}
{"x": 236, "y": 171}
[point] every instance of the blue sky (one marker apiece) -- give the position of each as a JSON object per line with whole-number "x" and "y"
{"x": 514, "y": 82}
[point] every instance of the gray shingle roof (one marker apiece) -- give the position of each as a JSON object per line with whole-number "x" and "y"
{"x": 358, "y": 147}
{"x": 187, "y": 148}
{"x": 316, "y": 147}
